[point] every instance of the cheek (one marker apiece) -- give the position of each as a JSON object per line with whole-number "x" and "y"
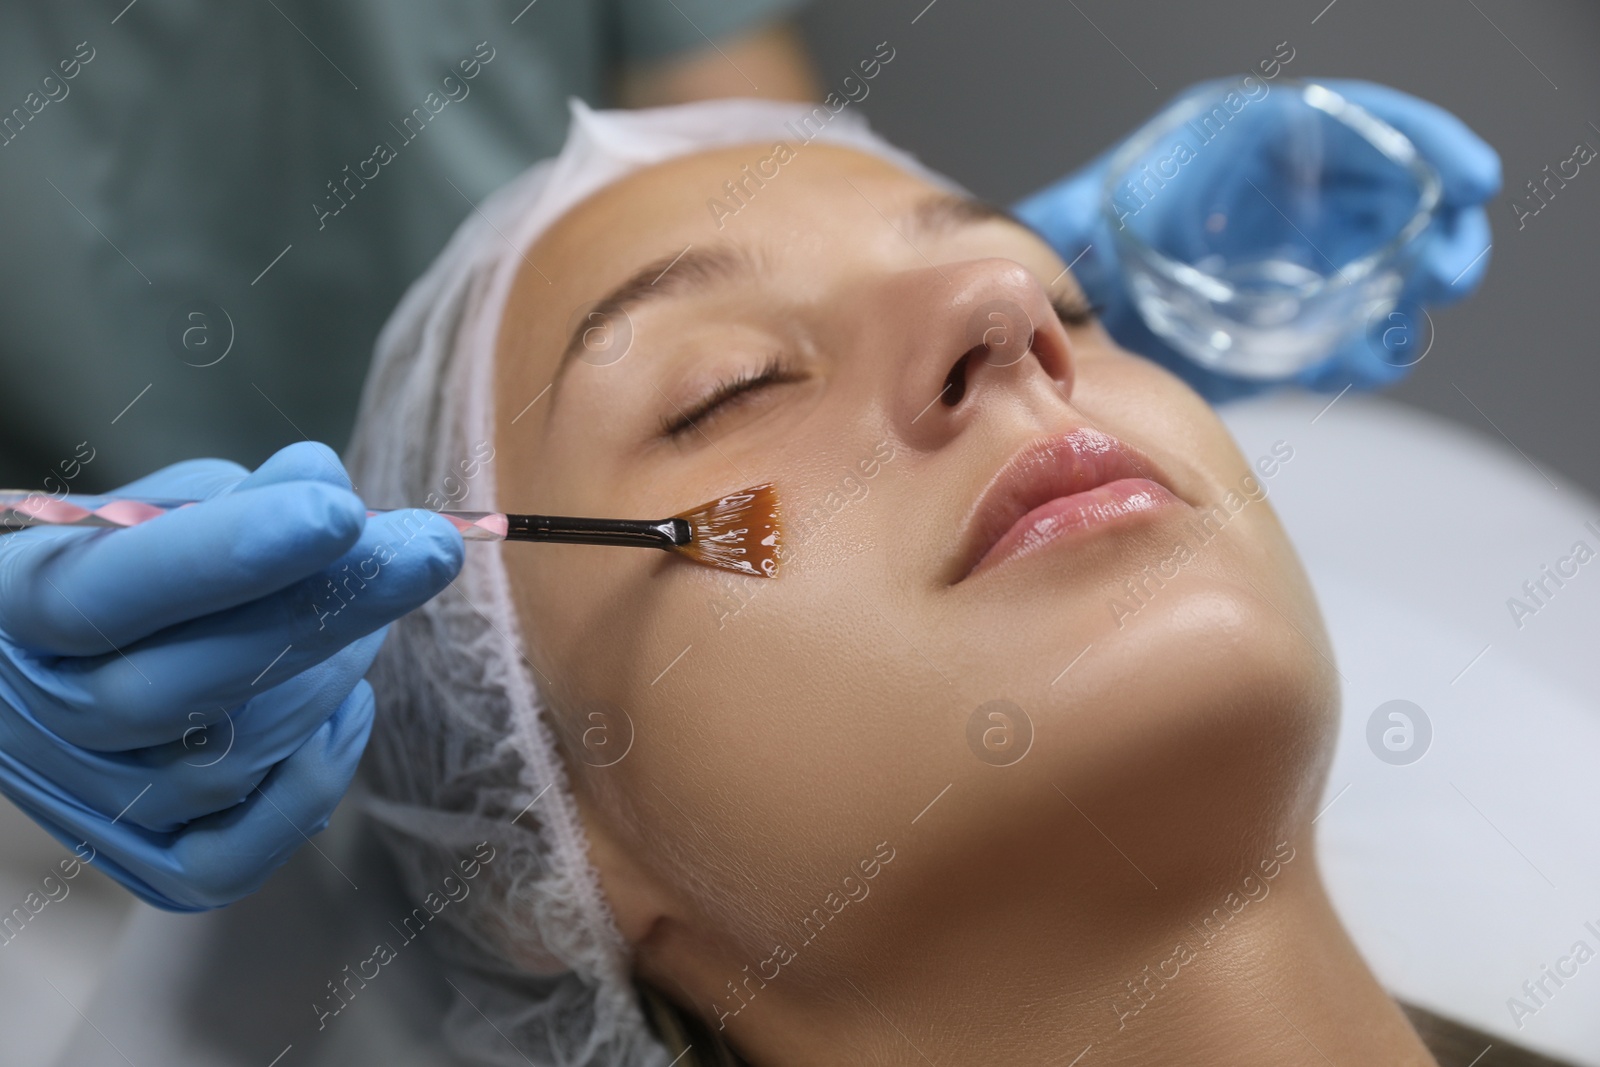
{"x": 761, "y": 710}
{"x": 756, "y": 754}
{"x": 610, "y": 621}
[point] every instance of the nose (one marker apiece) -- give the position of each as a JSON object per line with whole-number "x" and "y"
{"x": 970, "y": 328}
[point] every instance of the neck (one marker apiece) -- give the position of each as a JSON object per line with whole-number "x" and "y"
{"x": 1258, "y": 974}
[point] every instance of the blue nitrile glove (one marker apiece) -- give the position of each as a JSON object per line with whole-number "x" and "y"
{"x": 186, "y": 696}
{"x": 1451, "y": 263}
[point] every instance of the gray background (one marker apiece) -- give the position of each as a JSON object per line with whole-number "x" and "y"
{"x": 1005, "y": 95}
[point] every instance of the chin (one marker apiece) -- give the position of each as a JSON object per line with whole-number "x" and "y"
{"x": 1197, "y": 735}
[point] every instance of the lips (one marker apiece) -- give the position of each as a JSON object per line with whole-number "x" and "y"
{"x": 1063, "y": 486}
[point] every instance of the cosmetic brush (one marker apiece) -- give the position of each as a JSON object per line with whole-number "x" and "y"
{"x": 738, "y": 532}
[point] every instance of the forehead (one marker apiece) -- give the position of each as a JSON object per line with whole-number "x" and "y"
{"x": 743, "y": 193}
{"x": 823, "y": 200}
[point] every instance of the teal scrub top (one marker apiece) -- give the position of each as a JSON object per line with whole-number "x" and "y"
{"x": 209, "y": 209}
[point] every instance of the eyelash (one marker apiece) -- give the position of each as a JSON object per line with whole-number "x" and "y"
{"x": 773, "y": 372}
{"x": 1071, "y": 311}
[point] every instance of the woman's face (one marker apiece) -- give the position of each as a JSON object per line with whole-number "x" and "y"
{"x": 745, "y": 750}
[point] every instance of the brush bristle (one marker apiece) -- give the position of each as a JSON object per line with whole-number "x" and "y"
{"x": 739, "y": 532}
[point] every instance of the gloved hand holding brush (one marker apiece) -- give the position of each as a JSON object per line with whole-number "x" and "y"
{"x": 185, "y": 697}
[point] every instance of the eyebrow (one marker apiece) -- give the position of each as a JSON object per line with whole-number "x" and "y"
{"x": 692, "y": 270}
{"x": 699, "y": 269}
{"x": 937, "y": 215}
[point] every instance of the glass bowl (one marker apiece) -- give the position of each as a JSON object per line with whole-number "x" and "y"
{"x": 1261, "y": 225}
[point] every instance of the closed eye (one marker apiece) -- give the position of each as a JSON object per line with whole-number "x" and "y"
{"x": 729, "y": 393}
{"x": 1074, "y": 310}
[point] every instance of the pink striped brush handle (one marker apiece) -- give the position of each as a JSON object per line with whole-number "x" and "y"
{"x": 20, "y": 509}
